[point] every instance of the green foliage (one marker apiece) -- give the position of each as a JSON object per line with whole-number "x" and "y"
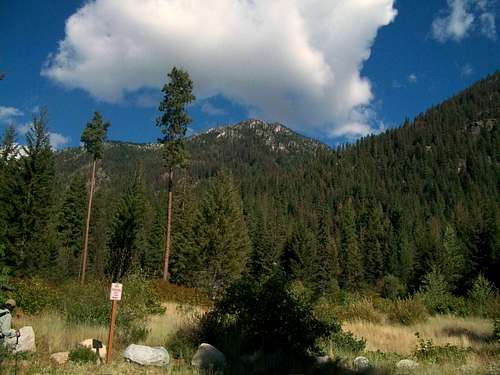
{"x": 481, "y": 295}
{"x": 174, "y": 120}
{"x": 264, "y": 317}
{"x": 125, "y": 240}
{"x": 345, "y": 342}
{"x": 182, "y": 294}
{"x": 391, "y": 287}
{"x": 407, "y": 311}
{"x": 83, "y": 355}
{"x": 436, "y": 294}
{"x": 221, "y": 236}
{"x": 426, "y": 350}
{"x": 94, "y": 135}
{"x": 350, "y": 252}
{"x": 34, "y": 295}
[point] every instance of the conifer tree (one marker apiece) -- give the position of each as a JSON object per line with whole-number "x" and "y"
{"x": 34, "y": 234}
{"x": 327, "y": 257}
{"x": 125, "y": 240}
{"x": 222, "y": 236}
{"x": 155, "y": 244}
{"x": 71, "y": 225}
{"x": 450, "y": 260}
{"x": 93, "y": 138}
{"x": 352, "y": 273}
{"x": 173, "y": 122}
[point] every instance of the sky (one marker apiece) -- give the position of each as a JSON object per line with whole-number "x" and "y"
{"x": 334, "y": 70}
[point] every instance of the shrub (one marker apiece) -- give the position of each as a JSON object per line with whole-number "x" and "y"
{"x": 391, "y": 287}
{"x": 34, "y": 295}
{"x": 407, "y": 311}
{"x": 346, "y": 342}
{"x": 82, "y": 355}
{"x": 426, "y": 350}
{"x": 361, "y": 309}
{"x": 181, "y": 294}
{"x": 437, "y": 297}
{"x": 264, "y": 317}
{"x": 482, "y": 294}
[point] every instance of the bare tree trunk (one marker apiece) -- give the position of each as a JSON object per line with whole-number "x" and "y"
{"x": 87, "y": 227}
{"x": 168, "y": 228}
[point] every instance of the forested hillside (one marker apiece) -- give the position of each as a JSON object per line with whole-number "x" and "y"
{"x": 386, "y": 210}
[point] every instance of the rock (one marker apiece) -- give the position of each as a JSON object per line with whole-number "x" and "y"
{"x": 360, "y": 363}
{"x": 208, "y": 358}
{"x": 88, "y": 344}
{"x": 60, "y": 358}
{"x": 406, "y": 365}
{"x": 146, "y": 355}
{"x": 26, "y": 342}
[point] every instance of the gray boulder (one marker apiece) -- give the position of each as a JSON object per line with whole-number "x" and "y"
{"x": 208, "y": 357}
{"x": 361, "y": 363}
{"x": 146, "y": 355}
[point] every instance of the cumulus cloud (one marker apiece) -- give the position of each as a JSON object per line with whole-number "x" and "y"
{"x": 7, "y": 113}
{"x": 412, "y": 78}
{"x": 212, "y": 110}
{"x": 56, "y": 140}
{"x": 462, "y": 16}
{"x": 296, "y": 61}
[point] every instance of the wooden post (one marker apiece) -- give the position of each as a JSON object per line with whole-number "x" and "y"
{"x": 168, "y": 229}
{"x": 114, "y": 307}
{"x": 87, "y": 227}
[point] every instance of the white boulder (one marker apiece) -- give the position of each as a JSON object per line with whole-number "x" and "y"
{"x": 26, "y": 341}
{"x": 146, "y": 355}
{"x": 407, "y": 364}
{"x": 360, "y": 363}
{"x": 60, "y": 358}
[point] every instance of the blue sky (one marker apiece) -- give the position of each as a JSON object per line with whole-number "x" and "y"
{"x": 328, "y": 70}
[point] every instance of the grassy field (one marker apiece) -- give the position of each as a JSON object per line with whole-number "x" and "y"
{"x": 385, "y": 344}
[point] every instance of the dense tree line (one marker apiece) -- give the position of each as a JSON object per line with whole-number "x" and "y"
{"x": 388, "y": 209}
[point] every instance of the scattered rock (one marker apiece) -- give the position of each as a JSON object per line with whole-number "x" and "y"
{"x": 26, "y": 342}
{"x": 407, "y": 364}
{"x": 146, "y": 355}
{"x": 208, "y": 357}
{"x": 88, "y": 344}
{"x": 360, "y": 363}
{"x": 60, "y": 358}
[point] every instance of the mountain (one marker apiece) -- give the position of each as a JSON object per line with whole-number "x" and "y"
{"x": 396, "y": 198}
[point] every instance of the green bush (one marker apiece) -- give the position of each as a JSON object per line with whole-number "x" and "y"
{"x": 181, "y": 294}
{"x": 266, "y": 317}
{"x": 407, "y": 311}
{"x": 360, "y": 309}
{"x": 34, "y": 295}
{"x": 427, "y": 351}
{"x": 482, "y": 295}
{"x": 345, "y": 342}
{"x": 437, "y": 297}
{"x": 391, "y": 287}
{"x": 83, "y": 355}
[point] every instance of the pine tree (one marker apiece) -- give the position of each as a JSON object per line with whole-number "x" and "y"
{"x": 93, "y": 137}
{"x": 35, "y": 238}
{"x": 71, "y": 226}
{"x": 265, "y": 253}
{"x": 173, "y": 122}
{"x": 125, "y": 240}
{"x": 155, "y": 244}
{"x": 450, "y": 260}
{"x": 222, "y": 236}
{"x": 352, "y": 273}
{"x": 327, "y": 258}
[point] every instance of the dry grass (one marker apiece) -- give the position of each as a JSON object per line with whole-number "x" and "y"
{"x": 462, "y": 332}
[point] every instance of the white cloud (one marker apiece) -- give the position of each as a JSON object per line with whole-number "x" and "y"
{"x": 7, "y": 113}
{"x": 296, "y": 61}
{"x": 412, "y": 78}
{"x": 462, "y": 17}
{"x": 212, "y": 110}
{"x": 56, "y": 140}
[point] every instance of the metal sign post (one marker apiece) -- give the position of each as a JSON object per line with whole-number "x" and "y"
{"x": 115, "y": 296}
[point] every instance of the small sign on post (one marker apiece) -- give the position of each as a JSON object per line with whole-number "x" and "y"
{"x": 115, "y": 295}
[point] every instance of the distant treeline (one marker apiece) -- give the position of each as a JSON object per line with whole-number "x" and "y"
{"x": 388, "y": 209}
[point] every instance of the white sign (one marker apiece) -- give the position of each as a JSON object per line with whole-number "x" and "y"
{"x": 116, "y": 292}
